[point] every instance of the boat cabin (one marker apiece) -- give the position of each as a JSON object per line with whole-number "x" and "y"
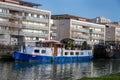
{"x": 50, "y": 44}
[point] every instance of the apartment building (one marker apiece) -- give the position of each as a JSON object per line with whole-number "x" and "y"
{"x": 101, "y": 20}
{"x": 116, "y": 23}
{"x": 69, "y": 26}
{"x": 112, "y": 32}
{"x": 21, "y": 23}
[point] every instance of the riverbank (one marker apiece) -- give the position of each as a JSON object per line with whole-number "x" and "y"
{"x": 6, "y": 57}
{"x": 107, "y": 77}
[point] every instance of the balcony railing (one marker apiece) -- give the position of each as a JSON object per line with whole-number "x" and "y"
{"x": 36, "y": 27}
{"x": 53, "y": 34}
{"x": 26, "y": 26}
{"x": 6, "y": 15}
{"x": 23, "y": 33}
{"x": 11, "y": 16}
{"x": 36, "y": 19}
{"x": 84, "y": 36}
{"x": 53, "y": 27}
{"x": 81, "y": 36}
{"x": 10, "y": 24}
{"x": 88, "y": 24}
{"x": 11, "y": 32}
{"x": 97, "y": 32}
{"x": 4, "y": 31}
{"x": 35, "y": 34}
{"x": 98, "y": 38}
{"x": 80, "y": 30}
{"x": 23, "y": 8}
{"x": 3, "y": 40}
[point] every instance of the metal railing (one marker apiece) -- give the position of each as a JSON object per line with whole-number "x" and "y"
{"x": 36, "y": 27}
{"x": 80, "y": 30}
{"x": 36, "y": 19}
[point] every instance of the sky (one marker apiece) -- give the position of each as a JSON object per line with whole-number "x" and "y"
{"x": 83, "y": 8}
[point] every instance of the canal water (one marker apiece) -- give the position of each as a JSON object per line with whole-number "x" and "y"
{"x": 57, "y": 71}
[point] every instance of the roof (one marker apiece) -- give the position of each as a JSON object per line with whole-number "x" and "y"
{"x": 30, "y": 4}
{"x": 67, "y": 16}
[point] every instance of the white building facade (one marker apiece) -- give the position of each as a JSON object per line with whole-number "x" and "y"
{"x": 21, "y": 23}
{"x": 112, "y": 32}
{"x": 101, "y": 20}
{"x": 74, "y": 27}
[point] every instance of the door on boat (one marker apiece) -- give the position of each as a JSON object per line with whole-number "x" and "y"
{"x": 55, "y": 50}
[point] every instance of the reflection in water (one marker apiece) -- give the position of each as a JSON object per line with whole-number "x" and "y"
{"x": 61, "y": 71}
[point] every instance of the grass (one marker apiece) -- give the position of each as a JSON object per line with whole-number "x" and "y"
{"x": 107, "y": 77}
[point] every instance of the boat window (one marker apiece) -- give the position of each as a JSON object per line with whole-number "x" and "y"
{"x": 36, "y": 51}
{"x": 71, "y": 53}
{"x": 66, "y": 53}
{"x": 77, "y": 53}
{"x": 82, "y": 53}
{"x": 43, "y": 51}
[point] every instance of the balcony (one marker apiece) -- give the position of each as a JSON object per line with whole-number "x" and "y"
{"x": 5, "y": 15}
{"x": 11, "y": 16}
{"x": 97, "y": 32}
{"x": 10, "y": 32}
{"x": 23, "y": 8}
{"x": 4, "y": 31}
{"x": 35, "y": 34}
{"x": 23, "y": 33}
{"x": 16, "y": 17}
{"x": 15, "y": 33}
{"x": 53, "y": 34}
{"x": 53, "y": 27}
{"x": 88, "y": 24}
{"x": 35, "y": 27}
{"x": 3, "y": 40}
{"x": 27, "y": 26}
{"x": 81, "y": 23}
{"x": 80, "y": 30}
{"x": 83, "y": 36}
{"x": 98, "y": 38}
{"x": 36, "y": 19}
{"x": 11, "y": 24}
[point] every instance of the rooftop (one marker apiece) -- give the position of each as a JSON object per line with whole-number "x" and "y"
{"x": 67, "y": 16}
{"x": 30, "y": 4}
